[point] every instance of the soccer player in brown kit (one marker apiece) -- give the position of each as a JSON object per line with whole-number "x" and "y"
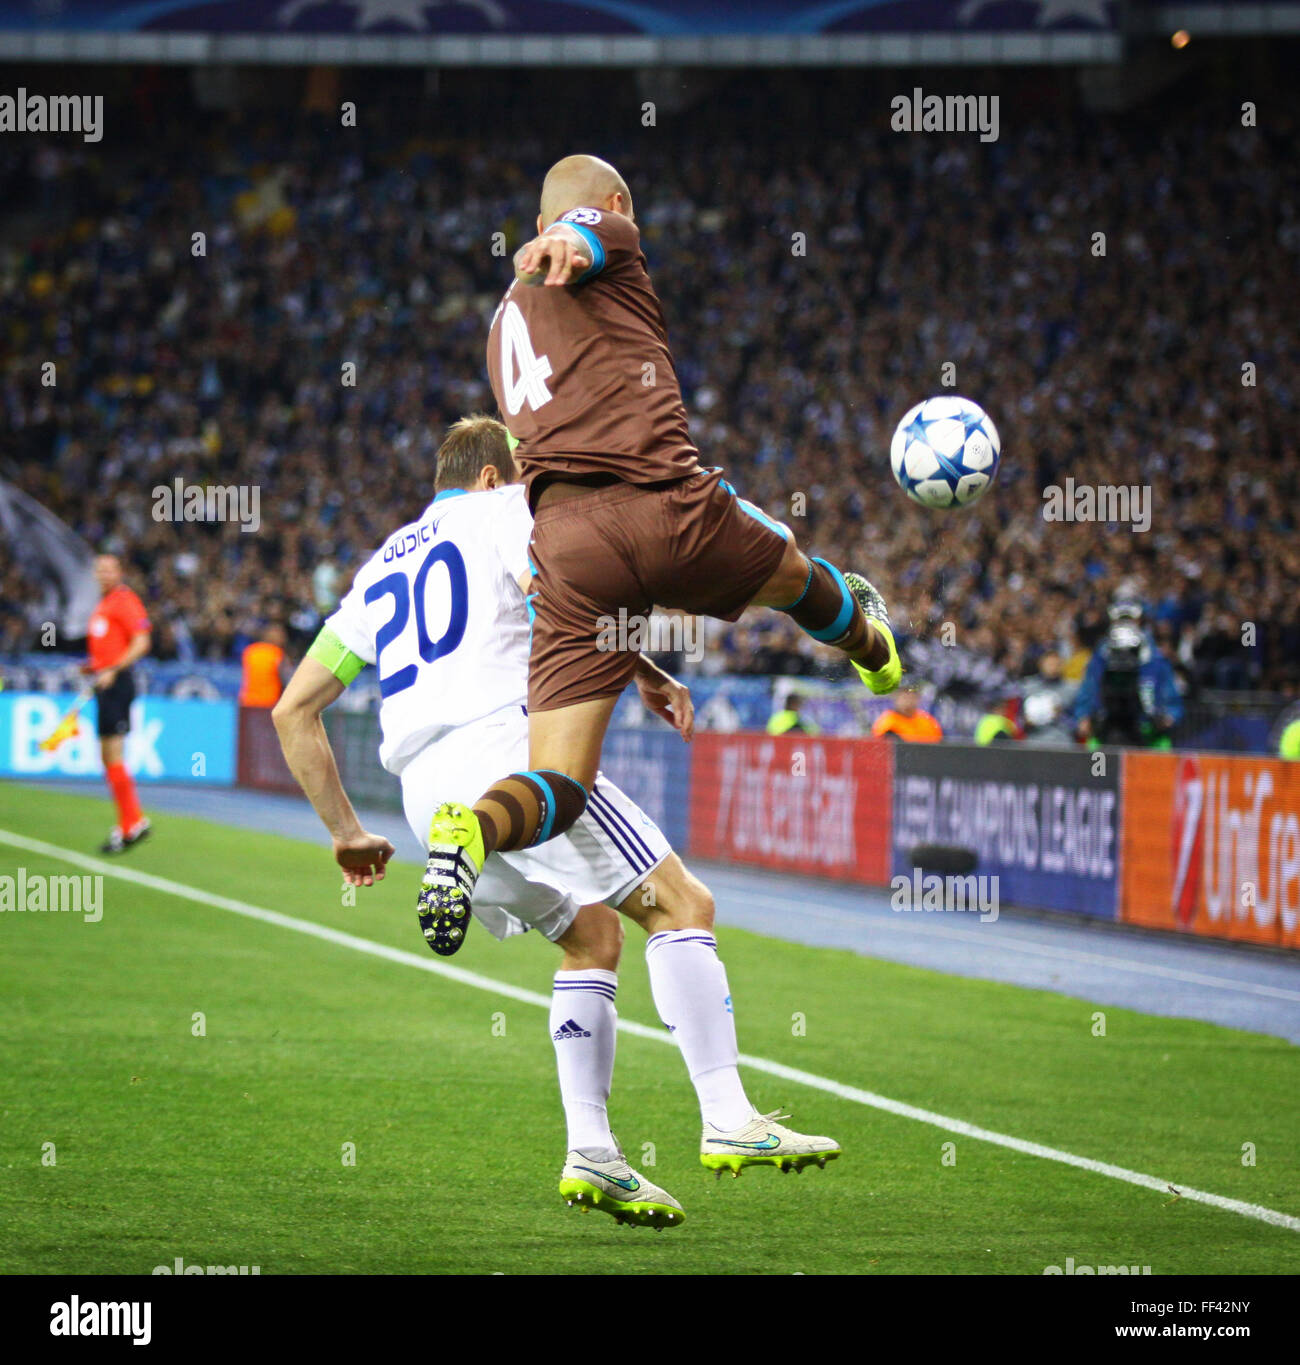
{"x": 625, "y": 518}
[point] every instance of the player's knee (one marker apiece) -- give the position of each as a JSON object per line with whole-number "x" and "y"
{"x": 790, "y": 580}
{"x": 605, "y": 945}
{"x": 561, "y": 801}
{"x": 700, "y": 907}
{"x": 690, "y": 907}
{"x": 614, "y": 942}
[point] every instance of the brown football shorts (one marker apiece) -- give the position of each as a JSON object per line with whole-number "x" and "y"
{"x": 691, "y": 544}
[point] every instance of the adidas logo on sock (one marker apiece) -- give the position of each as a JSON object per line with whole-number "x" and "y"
{"x": 570, "y": 1029}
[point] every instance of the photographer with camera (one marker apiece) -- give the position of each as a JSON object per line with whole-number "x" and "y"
{"x": 1129, "y": 694}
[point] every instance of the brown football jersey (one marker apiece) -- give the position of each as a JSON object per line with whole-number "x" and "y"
{"x": 583, "y": 375}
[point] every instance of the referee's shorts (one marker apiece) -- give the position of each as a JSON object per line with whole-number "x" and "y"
{"x": 115, "y": 706}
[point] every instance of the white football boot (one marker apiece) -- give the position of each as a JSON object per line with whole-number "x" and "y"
{"x": 615, "y": 1188}
{"x": 763, "y": 1142}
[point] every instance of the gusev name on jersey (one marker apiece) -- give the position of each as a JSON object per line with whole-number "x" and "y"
{"x": 438, "y": 609}
{"x": 583, "y": 375}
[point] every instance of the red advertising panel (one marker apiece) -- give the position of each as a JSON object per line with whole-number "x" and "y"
{"x": 1211, "y": 845}
{"x": 821, "y": 806}
{"x": 261, "y": 762}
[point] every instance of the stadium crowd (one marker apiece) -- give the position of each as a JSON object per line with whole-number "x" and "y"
{"x": 814, "y": 290}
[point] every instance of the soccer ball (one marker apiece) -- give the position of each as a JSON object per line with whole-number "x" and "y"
{"x": 945, "y": 452}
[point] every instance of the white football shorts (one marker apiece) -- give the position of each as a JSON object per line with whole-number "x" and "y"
{"x": 605, "y": 856}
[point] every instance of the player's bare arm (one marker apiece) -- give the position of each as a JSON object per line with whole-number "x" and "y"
{"x": 555, "y": 257}
{"x": 297, "y": 715}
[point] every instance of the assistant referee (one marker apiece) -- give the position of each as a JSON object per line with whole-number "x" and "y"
{"x": 119, "y": 638}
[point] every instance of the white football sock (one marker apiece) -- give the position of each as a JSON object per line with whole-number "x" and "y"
{"x": 689, "y": 986}
{"x": 583, "y": 1028}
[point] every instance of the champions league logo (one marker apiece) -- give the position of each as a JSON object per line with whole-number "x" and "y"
{"x": 418, "y": 18}
{"x": 407, "y": 13}
{"x": 1049, "y": 11}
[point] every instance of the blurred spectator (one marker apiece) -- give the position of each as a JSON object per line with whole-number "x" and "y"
{"x": 1288, "y": 746}
{"x": 265, "y": 668}
{"x": 1046, "y": 703}
{"x": 1129, "y": 694}
{"x": 788, "y": 718}
{"x": 907, "y": 721}
{"x": 997, "y": 726}
{"x": 1120, "y": 370}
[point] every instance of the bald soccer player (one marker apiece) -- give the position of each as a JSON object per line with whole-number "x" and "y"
{"x": 625, "y": 518}
{"x": 440, "y": 610}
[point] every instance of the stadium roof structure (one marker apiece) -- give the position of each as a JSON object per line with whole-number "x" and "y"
{"x": 611, "y": 33}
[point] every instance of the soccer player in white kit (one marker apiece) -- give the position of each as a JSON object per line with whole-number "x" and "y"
{"x": 441, "y": 610}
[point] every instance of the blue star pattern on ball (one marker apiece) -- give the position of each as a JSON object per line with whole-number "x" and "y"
{"x": 945, "y": 452}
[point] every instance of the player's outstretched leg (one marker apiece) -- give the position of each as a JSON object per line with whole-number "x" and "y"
{"x": 886, "y": 678}
{"x": 583, "y": 1026}
{"x": 689, "y": 985}
{"x": 841, "y": 610}
{"x": 455, "y": 859}
{"x": 520, "y": 810}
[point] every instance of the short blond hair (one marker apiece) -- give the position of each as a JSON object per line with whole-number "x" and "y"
{"x": 469, "y": 446}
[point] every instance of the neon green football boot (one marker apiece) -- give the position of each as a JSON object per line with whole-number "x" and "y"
{"x": 887, "y": 677}
{"x": 763, "y": 1142}
{"x": 615, "y": 1188}
{"x": 456, "y": 857}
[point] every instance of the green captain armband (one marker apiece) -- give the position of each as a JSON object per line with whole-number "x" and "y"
{"x": 512, "y": 443}
{"x": 330, "y": 652}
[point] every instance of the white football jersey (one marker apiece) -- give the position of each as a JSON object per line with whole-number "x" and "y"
{"x": 438, "y": 609}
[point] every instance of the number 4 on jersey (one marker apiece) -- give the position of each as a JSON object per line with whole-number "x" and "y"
{"x": 526, "y": 384}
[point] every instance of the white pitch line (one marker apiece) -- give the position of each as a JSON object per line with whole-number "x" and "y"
{"x": 788, "y": 1073}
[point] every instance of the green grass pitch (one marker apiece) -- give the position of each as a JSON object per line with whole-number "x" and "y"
{"x": 228, "y": 1148}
